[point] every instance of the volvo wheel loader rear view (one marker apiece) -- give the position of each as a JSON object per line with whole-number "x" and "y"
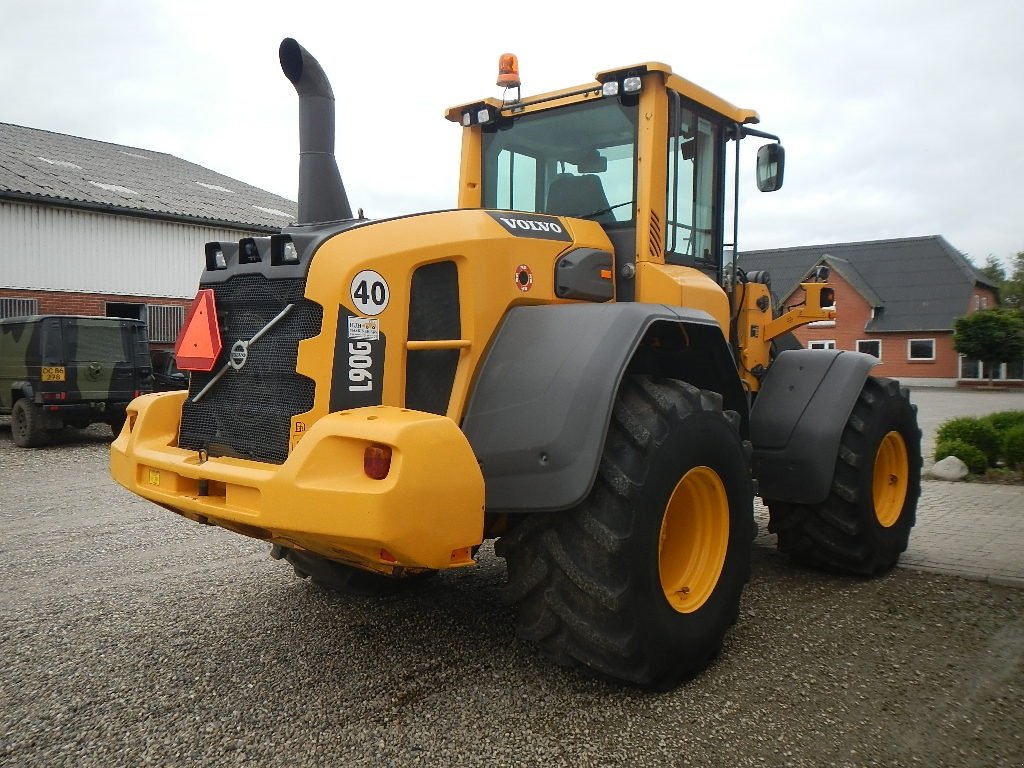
{"x": 565, "y": 364}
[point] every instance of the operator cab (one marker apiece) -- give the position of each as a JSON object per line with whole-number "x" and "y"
{"x": 656, "y": 186}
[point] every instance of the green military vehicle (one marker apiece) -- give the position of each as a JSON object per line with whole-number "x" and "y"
{"x": 61, "y": 371}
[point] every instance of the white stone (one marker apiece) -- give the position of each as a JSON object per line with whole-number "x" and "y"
{"x": 950, "y": 468}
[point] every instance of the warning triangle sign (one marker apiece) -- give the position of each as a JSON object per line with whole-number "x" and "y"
{"x": 199, "y": 344}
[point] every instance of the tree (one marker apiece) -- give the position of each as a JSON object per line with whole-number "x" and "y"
{"x": 1011, "y": 291}
{"x": 994, "y": 271}
{"x": 1010, "y": 284}
{"x": 992, "y": 335}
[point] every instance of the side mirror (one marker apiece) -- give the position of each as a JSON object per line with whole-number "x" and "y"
{"x": 771, "y": 163}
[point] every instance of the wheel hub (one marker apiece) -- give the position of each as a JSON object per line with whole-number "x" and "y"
{"x": 694, "y": 539}
{"x": 891, "y": 479}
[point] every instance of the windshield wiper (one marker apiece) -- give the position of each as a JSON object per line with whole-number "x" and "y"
{"x": 603, "y": 211}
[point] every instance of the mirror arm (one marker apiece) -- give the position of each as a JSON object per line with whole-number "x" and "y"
{"x": 760, "y": 134}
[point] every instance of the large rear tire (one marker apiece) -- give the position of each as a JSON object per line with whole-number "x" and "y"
{"x": 864, "y": 524}
{"x": 642, "y": 580}
{"x": 27, "y": 428}
{"x": 339, "y": 577}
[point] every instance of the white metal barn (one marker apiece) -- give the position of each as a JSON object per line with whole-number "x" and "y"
{"x": 94, "y": 228}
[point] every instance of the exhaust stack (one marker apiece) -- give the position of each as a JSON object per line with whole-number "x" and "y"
{"x": 321, "y": 192}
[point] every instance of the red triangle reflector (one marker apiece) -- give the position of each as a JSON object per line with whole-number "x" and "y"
{"x": 198, "y": 344}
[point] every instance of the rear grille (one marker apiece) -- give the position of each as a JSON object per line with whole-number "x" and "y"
{"x": 247, "y": 414}
{"x": 434, "y": 315}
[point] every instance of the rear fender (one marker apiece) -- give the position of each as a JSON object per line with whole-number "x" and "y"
{"x": 798, "y": 418}
{"x": 540, "y": 408}
{"x": 20, "y": 389}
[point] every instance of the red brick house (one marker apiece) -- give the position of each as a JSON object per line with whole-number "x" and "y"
{"x": 895, "y": 299}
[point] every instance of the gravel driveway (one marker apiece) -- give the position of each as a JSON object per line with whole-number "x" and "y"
{"x": 133, "y": 637}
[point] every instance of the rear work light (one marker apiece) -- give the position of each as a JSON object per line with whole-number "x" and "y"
{"x": 283, "y": 251}
{"x": 377, "y": 461}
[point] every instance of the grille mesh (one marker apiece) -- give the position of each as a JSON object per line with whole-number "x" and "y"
{"x": 434, "y": 314}
{"x": 247, "y": 414}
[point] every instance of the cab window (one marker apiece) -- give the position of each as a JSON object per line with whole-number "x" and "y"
{"x": 571, "y": 161}
{"x": 695, "y": 162}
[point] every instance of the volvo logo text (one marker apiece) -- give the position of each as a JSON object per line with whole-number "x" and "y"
{"x": 536, "y": 226}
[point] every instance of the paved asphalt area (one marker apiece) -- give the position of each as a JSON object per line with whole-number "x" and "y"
{"x": 969, "y": 529}
{"x": 974, "y": 530}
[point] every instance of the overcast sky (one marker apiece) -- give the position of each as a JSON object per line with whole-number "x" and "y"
{"x": 899, "y": 118}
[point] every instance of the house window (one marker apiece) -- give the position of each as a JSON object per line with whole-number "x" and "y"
{"x": 870, "y": 347}
{"x": 980, "y": 302}
{"x": 921, "y": 349}
{"x": 165, "y": 321}
{"x": 976, "y": 369}
{"x": 830, "y": 344}
{"x": 18, "y": 307}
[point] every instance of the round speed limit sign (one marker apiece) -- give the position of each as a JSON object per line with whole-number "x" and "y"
{"x": 370, "y": 293}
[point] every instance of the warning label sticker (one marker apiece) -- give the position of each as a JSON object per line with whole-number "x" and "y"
{"x": 364, "y": 328}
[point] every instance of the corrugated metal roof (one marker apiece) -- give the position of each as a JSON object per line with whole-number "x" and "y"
{"x": 915, "y": 284}
{"x": 57, "y": 168}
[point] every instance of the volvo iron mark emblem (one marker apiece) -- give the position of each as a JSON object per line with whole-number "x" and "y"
{"x": 239, "y": 354}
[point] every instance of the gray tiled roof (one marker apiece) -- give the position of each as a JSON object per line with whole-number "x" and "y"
{"x": 914, "y": 284}
{"x": 57, "y": 168}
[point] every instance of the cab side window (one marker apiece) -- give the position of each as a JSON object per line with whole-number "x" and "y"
{"x": 695, "y": 157}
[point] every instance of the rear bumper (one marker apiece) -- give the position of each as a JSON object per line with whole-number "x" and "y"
{"x": 427, "y": 513}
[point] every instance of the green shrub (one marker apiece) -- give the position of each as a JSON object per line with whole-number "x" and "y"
{"x": 1005, "y": 420}
{"x": 967, "y": 453}
{"x": 1013, "y": 446}
{"x": 976, "y": 432}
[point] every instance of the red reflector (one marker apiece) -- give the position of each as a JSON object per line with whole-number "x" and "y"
{"x": 377, "y": 461}
{"x": 387, "y": 556}
{"x": 198, "y": 343}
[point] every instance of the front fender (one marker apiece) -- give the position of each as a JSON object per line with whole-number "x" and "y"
{"x": 798, "y": 419}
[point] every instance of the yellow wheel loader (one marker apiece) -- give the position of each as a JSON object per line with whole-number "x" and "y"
{"x": 567, "y": 363}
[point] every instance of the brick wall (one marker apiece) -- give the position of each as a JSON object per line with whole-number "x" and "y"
{"x": 68, "y": 303}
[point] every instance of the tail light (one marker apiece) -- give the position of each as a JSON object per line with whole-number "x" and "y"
{"x": 377, "y": 461}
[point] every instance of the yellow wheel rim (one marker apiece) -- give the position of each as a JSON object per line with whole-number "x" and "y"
{"x": 892, "y": 475}
{"x": 694, "y": 539}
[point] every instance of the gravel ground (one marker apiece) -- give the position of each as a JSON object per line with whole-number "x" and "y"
{"x": 133, "y": 637}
